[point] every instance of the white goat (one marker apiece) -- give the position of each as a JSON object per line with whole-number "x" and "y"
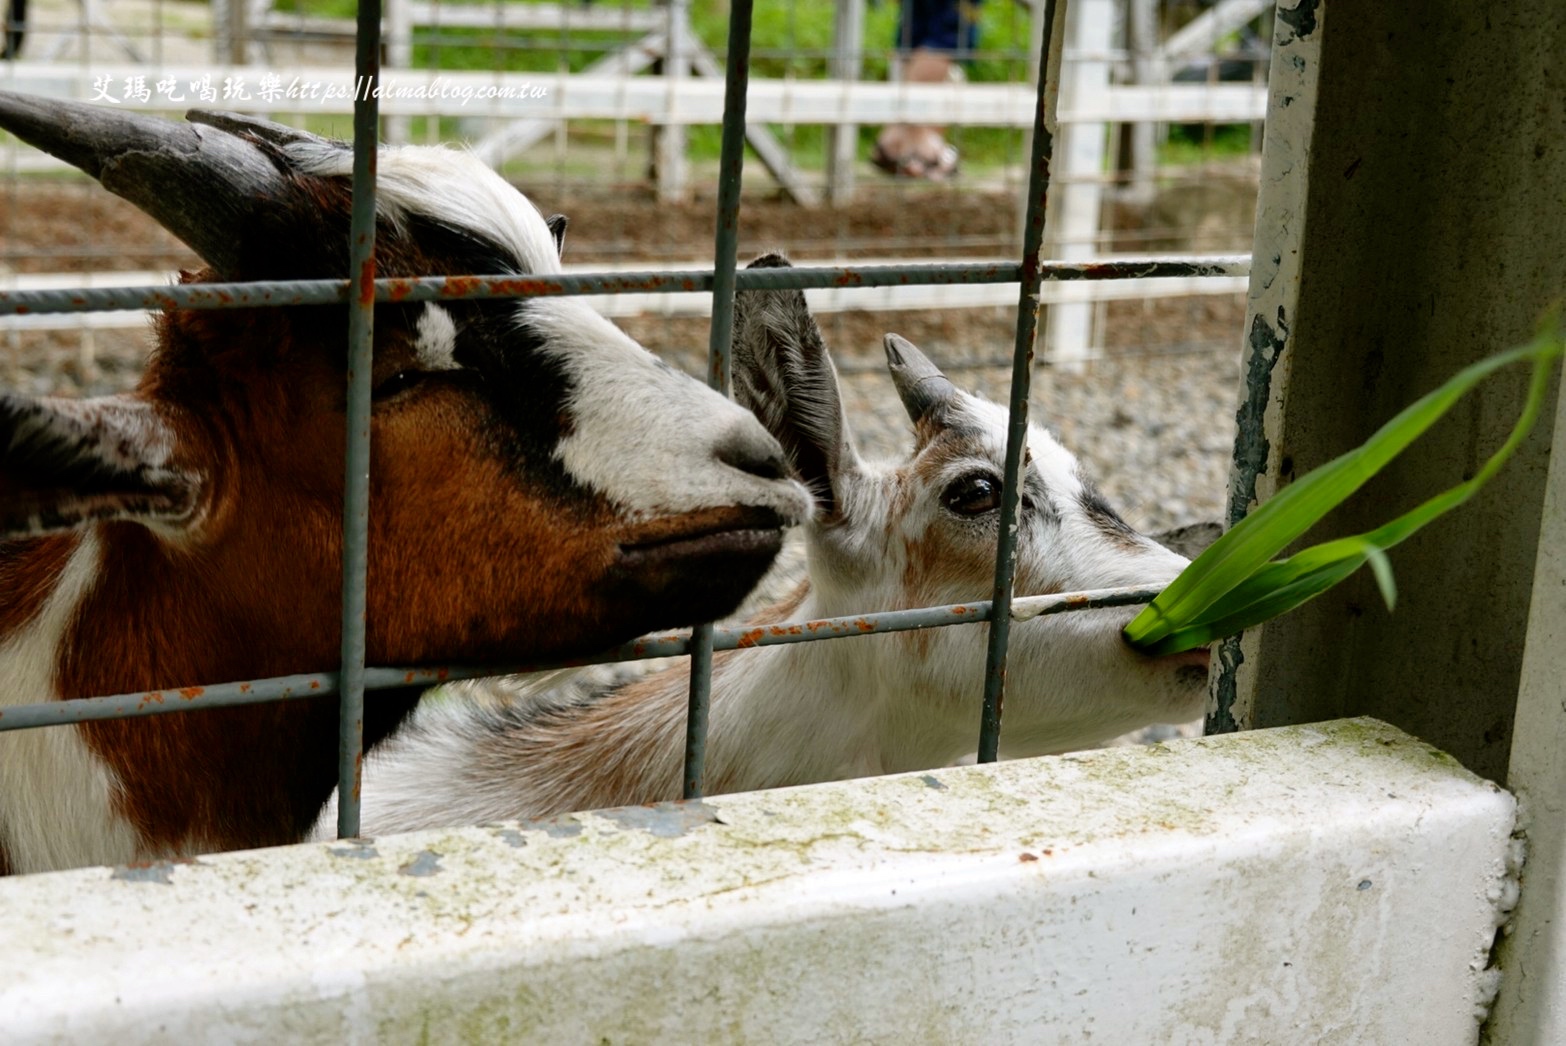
{"x": 916, "y": 532}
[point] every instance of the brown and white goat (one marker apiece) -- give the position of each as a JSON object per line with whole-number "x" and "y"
{"x": 540, "y": 486}
{"x": 920, "y": 531}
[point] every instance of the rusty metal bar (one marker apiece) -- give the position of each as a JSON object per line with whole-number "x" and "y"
{"x": 435, "y": 288}
{"x": 356, "y": 480}
{"x": 731, "y": 168}
{"x": 1021, "y": 381}
{"x": 663, "y": 644}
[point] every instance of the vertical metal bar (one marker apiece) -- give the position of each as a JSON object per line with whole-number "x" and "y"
{"x": 1021, "y": 380}
{"x": 696, "y": 712}
{"x": 356, "y": 481}
{"x": 731, "y": 166}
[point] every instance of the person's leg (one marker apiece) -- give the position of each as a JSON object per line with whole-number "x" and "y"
{"x": 930, "y": 32}
{"x": 14, "y": 16}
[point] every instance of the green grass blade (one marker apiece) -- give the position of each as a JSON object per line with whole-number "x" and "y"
{"x": 1297, "y": 507}
{"x": 1381, "y": 566}
{"x": 1305, "y": 586}
{"x": 1232, "y": 585}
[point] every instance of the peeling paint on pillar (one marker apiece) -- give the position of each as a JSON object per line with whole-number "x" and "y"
{"x": 1272, "y": 307}
{"x": 1301, "y": 19}
{"x": 425, "y": 862}
{"x": 156, "y": 872}
{"x": 1250, "y": 444}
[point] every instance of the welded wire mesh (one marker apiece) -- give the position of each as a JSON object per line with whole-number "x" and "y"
{"x": 1029, "y": 273}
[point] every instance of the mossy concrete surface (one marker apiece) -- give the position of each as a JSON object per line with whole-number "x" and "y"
{"x": 1332, "y": 883}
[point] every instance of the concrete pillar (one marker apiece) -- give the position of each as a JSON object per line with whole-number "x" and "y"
{"x": 1532, "y": 1002}
{"x": 1430, "y": 234}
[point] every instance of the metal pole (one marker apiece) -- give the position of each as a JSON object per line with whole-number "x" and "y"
{"x": 731, "y": 166}
{"x": 670, "y": 644}
{"x": 356, "y": 480}
{"x": 1021, "y": 381}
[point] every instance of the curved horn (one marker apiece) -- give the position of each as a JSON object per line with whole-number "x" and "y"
{"x": 920, "y": 384}
{"x": 266, "y": 130}
{"x": 200, "y": 183}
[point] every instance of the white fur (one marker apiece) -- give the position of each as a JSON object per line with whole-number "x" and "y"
{"x": 676, "y": 422}
{"x": 451, "y": 185}
{"x": 620, "y": 388}
{"x": 823, "y": 711}
{"x": 55, "y": 795}
{"x": 436, "y": 345}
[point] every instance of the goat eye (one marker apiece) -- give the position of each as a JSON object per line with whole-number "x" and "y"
{"x": 398, "y": 382}
{"x": 972, "y": 495}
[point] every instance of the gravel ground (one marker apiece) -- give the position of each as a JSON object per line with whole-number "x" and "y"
{"x": 1155, "y": 429}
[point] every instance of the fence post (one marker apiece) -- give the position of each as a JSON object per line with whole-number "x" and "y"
{"x": 230, "y": 37}
{"x": 1421, "y": 249}
{"x": 1147, "y": 69}
{"x": 1080, "y": 153}
{"x": 848, "y": 41}
{"x": 669, "y": 150}
{"x": 399, "y": 55}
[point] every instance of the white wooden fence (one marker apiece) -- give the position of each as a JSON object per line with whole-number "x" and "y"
{"x": 691, "y": 93}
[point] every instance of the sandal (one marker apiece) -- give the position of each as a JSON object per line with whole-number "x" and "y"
{"x": 892, "y": 165}
{"x": 939, "y": 169}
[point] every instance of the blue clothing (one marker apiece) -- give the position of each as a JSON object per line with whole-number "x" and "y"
{"x": 939, "y": 25}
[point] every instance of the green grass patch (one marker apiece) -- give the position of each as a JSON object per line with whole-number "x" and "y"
{"x": 1191, "y": 144}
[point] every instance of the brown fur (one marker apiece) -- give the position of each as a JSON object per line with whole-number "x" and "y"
{"x": 784, "y": 609}
{"x": 465, "y": 562}
{"x": 481, "y": 547}
{"x": 26, "y": 580}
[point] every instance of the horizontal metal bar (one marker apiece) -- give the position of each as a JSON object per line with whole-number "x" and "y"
{"x": 670, "y": 644}
{"x": 822, "y": 300}
{"x": 434, "y": 288}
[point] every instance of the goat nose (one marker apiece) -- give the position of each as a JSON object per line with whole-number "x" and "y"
{"x": 751, "y": 450}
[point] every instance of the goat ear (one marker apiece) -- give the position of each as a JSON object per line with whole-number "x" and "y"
{"x": 783, "y": 373}
{"x": 557, "y": 228}
{"x": 64, "y": 463}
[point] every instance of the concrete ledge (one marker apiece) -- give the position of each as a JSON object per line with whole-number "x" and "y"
{"x": 1335, "y": 883}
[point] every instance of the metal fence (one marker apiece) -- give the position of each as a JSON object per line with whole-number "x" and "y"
{"x": 603, "y": 141}
{"x": 360, "y": 296}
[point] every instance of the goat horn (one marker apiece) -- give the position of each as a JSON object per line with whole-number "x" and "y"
{"x": 200, "y": 183}
{"x": 266, "y": 130}
{"x": 920, "y": 384}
